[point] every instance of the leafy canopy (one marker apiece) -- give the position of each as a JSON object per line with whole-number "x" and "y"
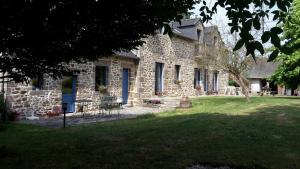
{"x": 288, "y": 73}
{"x": 38, "y": 37}
{"x": 246, "y": 15}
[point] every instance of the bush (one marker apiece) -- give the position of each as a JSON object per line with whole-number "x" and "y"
{"x": 232, "y": 83}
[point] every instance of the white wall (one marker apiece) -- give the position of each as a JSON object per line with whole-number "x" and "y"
{"x": 288, "y": 92}
{"x": 255, "y": 85}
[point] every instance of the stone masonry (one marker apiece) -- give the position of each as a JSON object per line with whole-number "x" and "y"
{"x": 169, "y": 51}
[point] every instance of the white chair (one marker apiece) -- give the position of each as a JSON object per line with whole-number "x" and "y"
{"x": 31, "y": 116}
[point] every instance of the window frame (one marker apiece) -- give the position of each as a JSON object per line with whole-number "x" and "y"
{"x": 177, "y": 72}
{"x": 197, "y": 77}
{"x": 39, "y": 85}
{"x": 106, "y": 76}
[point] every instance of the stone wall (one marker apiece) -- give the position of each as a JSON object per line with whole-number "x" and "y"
{"x": 159, "y": 48}
{"x": 22, "y": 98}
{"x": 171, "y": 52}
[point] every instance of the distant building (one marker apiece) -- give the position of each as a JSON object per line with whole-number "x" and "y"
{"x": 258, "y": 77}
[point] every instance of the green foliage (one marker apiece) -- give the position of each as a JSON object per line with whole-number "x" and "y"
{"x": 243, "y": 19}
{"x": 39, "y": 37}
{"x": 288, "y": 72}
{"x": 102, "y": 89}
{"x": 232, "y": 83}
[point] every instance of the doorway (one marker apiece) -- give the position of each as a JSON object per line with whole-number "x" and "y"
{"x": 69, "y": 92}
{"x": 125, "y": 85}
{"x": 158, "y": 78}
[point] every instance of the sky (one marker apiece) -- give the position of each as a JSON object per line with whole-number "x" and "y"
{"x": 220, "y": 19}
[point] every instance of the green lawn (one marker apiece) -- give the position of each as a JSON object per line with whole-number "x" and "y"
{"x": 217, "y": 130}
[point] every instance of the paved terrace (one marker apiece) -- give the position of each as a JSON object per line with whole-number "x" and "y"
{"x": 169, "y": 104}
{"x": 72, "y": 119}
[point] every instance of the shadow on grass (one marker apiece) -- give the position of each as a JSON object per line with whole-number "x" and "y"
{"x": 265, "y": 138}
{"x": 288, "y": 97}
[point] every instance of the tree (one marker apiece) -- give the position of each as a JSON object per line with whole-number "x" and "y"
{"x": 39, "y": 37}
{"x": 248, "y": 14}
{"x": 288, "y": 73}
{"x": 235, "y": 63}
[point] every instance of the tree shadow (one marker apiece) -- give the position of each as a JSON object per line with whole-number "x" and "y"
{"x": 266, "y": 137}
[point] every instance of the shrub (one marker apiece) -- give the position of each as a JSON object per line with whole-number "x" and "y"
{"x": 232, "y": 83}
{"x": 198, "y": 87}
{"x": 102, "y": 89}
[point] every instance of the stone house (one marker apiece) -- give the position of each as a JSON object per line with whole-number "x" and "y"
{"x": 163, "y": 66}
{"x": 258, "y": 76}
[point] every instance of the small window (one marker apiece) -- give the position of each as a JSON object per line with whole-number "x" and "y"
{"x": 177, "y": 72}
{"x": 205, "y": 80}
{"x": 37, "y": 83}
{"x": 215, "y": 41}
{"x": 199, "y": 35}
{"x": 197, "y": 78}
{"x": 101, "y": 77}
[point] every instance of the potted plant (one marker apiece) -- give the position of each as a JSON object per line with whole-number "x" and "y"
{"x": 102, "y": 89}
{"x": 176, "y": 81}
{"x": 198, "y": 87}
{"x": 158, "y": 93}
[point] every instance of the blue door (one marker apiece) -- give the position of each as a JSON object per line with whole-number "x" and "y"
{"x": 125, "y": 85}
{"x": 69, "y": 92}
{"x": 158, "y": 78}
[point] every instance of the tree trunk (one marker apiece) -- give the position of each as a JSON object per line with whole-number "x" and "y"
{"x": 244, "y": 85}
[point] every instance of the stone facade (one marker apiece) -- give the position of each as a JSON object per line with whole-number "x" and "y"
{"x": 169, "y": 51}
{"x": 22, "y": 97}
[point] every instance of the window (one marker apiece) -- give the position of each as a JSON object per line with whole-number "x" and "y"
{"x": 101, "y": 77}
{"x": 37, "y": 83}
{"x": 197, "y": 78}
{"x": 177, "y": 72}
{"x": 158, "y": 78}
{"x": 215, "y": 41}
{"x": 205, "y": 80}
{"x": 215, "y": 80}
{"x": 161, "y": 30}
{"x": 68, "y": 84}
{"x": 199, "y": 35}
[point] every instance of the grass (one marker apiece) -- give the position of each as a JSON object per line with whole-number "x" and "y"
{"x": 217, "y": 130}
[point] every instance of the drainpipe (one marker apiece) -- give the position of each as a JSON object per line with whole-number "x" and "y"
{"x": 2, "y": 87}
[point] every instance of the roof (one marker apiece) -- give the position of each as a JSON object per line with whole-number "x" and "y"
{"x": 210, "y": 29}
{"x": 186, "y": 22}
{"x": 262, "y": 70}
{"x": 187, "y": 28}
{"x": 126, "y": 54}
{"x": 209, "y": 33}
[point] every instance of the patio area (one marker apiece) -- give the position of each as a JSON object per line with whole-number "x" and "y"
{"x": 95, "y": 116}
